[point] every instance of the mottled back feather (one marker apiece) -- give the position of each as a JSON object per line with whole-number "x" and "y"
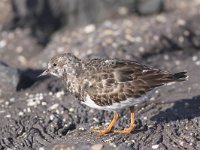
{"x": 109, "y": 81}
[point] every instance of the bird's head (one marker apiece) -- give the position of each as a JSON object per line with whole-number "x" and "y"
{"x": 63, "y": 64}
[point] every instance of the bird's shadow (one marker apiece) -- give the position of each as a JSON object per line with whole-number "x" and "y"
{"x": 183, "y": 109}
{"x": 28, "y": 77}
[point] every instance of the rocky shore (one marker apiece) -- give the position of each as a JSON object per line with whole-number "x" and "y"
{"x": 39, "y": 113}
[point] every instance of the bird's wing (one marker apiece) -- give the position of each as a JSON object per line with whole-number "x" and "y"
{"x": 115, "y": 81}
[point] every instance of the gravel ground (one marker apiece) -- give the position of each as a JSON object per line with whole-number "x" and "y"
{"x": 41, "y": 114}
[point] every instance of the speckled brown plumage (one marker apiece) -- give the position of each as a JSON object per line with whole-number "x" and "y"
{"x": 109, "y": 84}
{"x": 114, "y": 81}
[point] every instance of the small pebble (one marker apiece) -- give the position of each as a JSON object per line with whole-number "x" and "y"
{"x": 108, "y": 32}
{"x": 130, "y": 38}
{"x": 44, "y": 103}
{"x": 51, "y": 117}
{"x": 12, "y": 99}
{"x": 1, "y": 101}
{"x": 81, "y": 128}
{"x": 155, "y": 146}
{"x": 166, "y": 57}
{"x": 156, "y": 38}
{"x": 7, "y": 116}
{"x": 53, "y": 106}
{"x": 7, "y": 103}
{"x": 2, "y": 111}
{"x": 161, "y": 19}
{"x": 28, "y": 109}
{"x": 122, "y": 11}
{"x": 20, "y": 113}
{"x": 22, "y": 60}
{"x": 138, "y": 39}
{"x": 19, "y": 49}
{"x": 32, "y": 101}
{"x": 181, "y": 39}
{"x": 194, "y": 58}
{"x": 145, "y": 118}
{"x": 198, "y": 143}
{"x": 97, "y": 147}
{"x": 157, "y": 91}
{"x": 177, "y": 62}
{"x": 60, "y": 94}
{"x": 152, "y": 99}
{"x": 181, "y": 22}
{"x": 181, "y": 143}
{"x": 57, "y": 111}
{"x": 141, "y": 49}
{"x": 197, "y": 63}
{"x": 89, "y": 28}
{"x": 109, "y": 140}
{"x": 2, "y": 43}
{"x": 95, "y": 119}
{"x": 71, "y": 109}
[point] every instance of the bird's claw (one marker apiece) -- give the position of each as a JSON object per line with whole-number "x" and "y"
{"x": 125, "y": 131}
{"x": 101, "y": 132}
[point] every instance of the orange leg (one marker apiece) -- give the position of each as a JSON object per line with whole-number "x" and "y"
{"x": 132, "y": 124}
{"x": 109, "y": 128}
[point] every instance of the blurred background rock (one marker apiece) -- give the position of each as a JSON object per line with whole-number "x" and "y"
{"x": 46, "y": 16}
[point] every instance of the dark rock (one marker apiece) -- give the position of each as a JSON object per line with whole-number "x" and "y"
{"x": 9, "y": 78}
{"x": 70, "y": 12}
{"x": 125, "y": 147}
{"x": 12, "y": 79}
{"x": 5, "y": 11}
{"x": 46, "y": 16}
{"x": 147, "y": 7}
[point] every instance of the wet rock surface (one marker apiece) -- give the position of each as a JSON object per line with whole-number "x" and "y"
{"x": 39, "y": 113}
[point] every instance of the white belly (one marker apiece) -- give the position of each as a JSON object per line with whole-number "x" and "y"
{"x": 116, "y": 106}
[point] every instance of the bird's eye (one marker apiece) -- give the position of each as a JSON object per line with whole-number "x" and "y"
{"x": 54, "y": 65}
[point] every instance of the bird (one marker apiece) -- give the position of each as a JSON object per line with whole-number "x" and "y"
{"x": 109, "y": 84}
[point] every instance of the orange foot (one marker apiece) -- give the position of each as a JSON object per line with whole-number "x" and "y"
{"x": 101, "y": 132}
{"x": 125, "y": 131}
{"x": 129, "y": 129}
{"x": 109, "y": 128}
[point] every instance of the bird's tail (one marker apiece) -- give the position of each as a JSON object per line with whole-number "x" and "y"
{"x": 180, "y": 76}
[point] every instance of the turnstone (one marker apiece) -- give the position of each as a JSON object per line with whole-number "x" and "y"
{"x": 109, "y": 84}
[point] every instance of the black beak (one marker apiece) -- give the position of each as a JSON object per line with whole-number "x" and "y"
{"x": 46, "y": 72}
